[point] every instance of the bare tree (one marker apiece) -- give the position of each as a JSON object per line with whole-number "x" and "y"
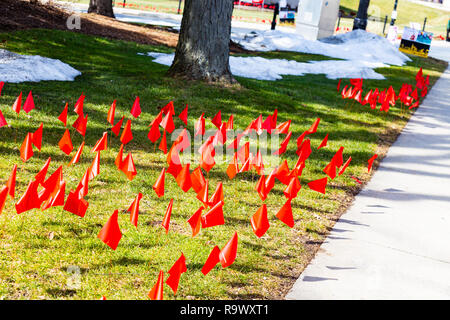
{"x": 103, "y": 7}
{"x": 203, "y": 47}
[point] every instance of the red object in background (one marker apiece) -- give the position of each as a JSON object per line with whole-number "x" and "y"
{"x": 110, "y": 234}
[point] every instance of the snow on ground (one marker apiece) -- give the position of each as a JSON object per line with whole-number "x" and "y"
{"x": 19, "y": 68}
{"x": 273, "y": 69}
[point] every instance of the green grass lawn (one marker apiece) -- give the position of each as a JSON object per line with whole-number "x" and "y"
{"x": 37, "y": 248}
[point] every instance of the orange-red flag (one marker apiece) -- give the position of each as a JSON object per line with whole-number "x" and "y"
{"x": 78, "y": 107}
{"x": 36, "y": 137}
{"x": 217, "y": 195}
{"x": 76, "y": 205}
{"x": 197, "y": 179}
{"x": 29, "y": 103}
{"x": 370, "y": 162}
{"x": 214, "y": 217}
{"x": 163, "y": 144}
{"x": 65, "y": 144}
{"x": 212, "y": 261}
{"x": 3, "y": 196}
{"x": 63, "y": 116}
{"x": 77, "y": 155}
{"x": 134, "y": 209}
{"x": 184, "y": 179}
{"x": 128, "y": 167}
{"x": 260, "y": 223}
{"x": 285, "y": 214}
{"x": 283, "y": 127}
{"x": 111, "y": 113}
{"x": 324, "y": 142}
{"x": 292, "y": 188}
{"x": 167, "y": 123}
{"x": 261, "y": 188}
{"x": 116, "y": 128}
{"x": 95, "y": 167}
{"x": 175, "y": 272}
{"x": 40, "y": 176}
{"x": 202, "y": 195}
{"x": 11, "y": 183}
{"x": 200, "y": 126}
{"x": 217, "y": 120}
{"x": 30, "y": 199}
{"x": 159, "y": 183}
{"x": 154, "y": 134}
{"x": 196, "y": 221}
{"x": 156, "y": 293}
{"x": 345, "y": 165}
{"x": 26, "y": 150}
{"x": 17, "y": 104}
{"x": 127, "y": 135}
{"x": 166, "y": 221}
{"x": 102, "y": 143}
{"x": 284, "y": 144}
{"x": 110, "y": 233}
{"x": 119, "y": 158}
{"x": 184, "y": 115}
{"x": 136, "y": 109}
{"x": 313, "y": 127}
{"x": 318, "y": 185}
{"x": 2, "y": 120}
{"x": 80, "y": 124}
{"x": 228, "y": 253}
{"x": 233, "y": 167}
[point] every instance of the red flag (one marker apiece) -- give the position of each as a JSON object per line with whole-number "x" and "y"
{"x": 217, "y": 195}
{"x": 228, "y": 253}
{"x": 167, "y": 123}
{"x": 36, "y": 137}
{"x": 313, "y": 127}
{"x": 214, "y": 217}
{"x": 127, "y": 135}
{"x": 270, "y": 180}
{"x": 83, "y": 186}
{"x": 207, "y": 161}
{"x": 168, "y": 108}
{"x": 356, "y": 179}
{"x": 337, "y": 158}
{"x": 345, "y": 165}
{"x": 184, "y": 179}
{"x": 370, "y": 162}
{"x": 56, "y": 200}
{"x": 244, "y": 152}
{"x": 163, "y": 144}
{"x": 156, "y": 293}
{"x": 76, "y": 205}
{"x": 128, "y": 167}
{"x": 95, "y": 167}
{"x": 304, "y": 151}
{"x": 102, "y": 143}
{"x": 324, "y": 142}
{"x": 200, "y": 126}
{"x": 283, "y": 127}
{"x": 110, "y": 233}
{"x": 212, "y": 261}
{"x": 65, "y": 144}
{"x": 78, "y": 108}
{"x": 217, "y": 120}
{"x": 259, "y": 221}
{"x": 282, "y": 173}
{"x": 80, "y": 124}
{"x": 116, "y": 128}
{"x": 40, "y": 176}
{"x": 339, "y": 85}
{"x": 285, "y": 214}
{"x": 26, "y": 150}
{"x": 292, "y": 188}
{"x": 134, "y": 209}
{"x": 414, "y": 105}
{"x": 111, "y": 113}
{"x": 195, "y": 221}
{"x": 159, "y": 184}
{"x": 77, "y": 155}
{"x": 11, "y": 184}
{"x": 230, "y": 123}
{"x": 1, "y": 86}
{"x": 30, "y": 199}
{"x": 318, "y": 185}
{"x": 233, "y": 167}
{"x": 175, "y": 272}
{"x": 182, "y": 142}
{"x": 63, "y": 116}
{"x": 202, "y": 195}
{"x": 261, "y": 188}
{"x": 284, "y": 144}
{"x": 174, "y": 161}
{"x": 197, "y": 179}
{"x": 29, "y": 103}
{"x": 119, "y": 160}
{"x": 166, "y": 221}
{"x": 154, "y": 134}
{"x": 2, "y": 120}
{"x": 3, "y": 196}
{"x": 330, "y": 169}
{"x": 17, "y": 104}
{"x": 136, "y": 109}
{"x": 184, "y": 115}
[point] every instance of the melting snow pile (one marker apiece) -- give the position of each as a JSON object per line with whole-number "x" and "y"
{"x": 16, "y": 68}
{"x": 361, "y": 52}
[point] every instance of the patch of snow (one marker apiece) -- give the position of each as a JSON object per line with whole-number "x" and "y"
{"x": 273, "y": 69}
{"x": 16, "y": 68}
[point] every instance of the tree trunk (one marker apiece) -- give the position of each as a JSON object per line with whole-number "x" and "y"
{"x": 103, "y": 7}
{"x": 360, "y": 21}
{"x": 203, "y": 50}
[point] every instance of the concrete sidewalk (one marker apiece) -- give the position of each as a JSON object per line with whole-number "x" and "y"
{"x": 394, "y": 242}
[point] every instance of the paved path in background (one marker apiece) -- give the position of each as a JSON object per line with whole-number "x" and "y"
{"x": 394, "y": 242}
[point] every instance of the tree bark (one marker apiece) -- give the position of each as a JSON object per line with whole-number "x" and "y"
{"x": 203, "y": 49}
{"x": 103, "y": 7}
{"x": 360, "y": 21}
